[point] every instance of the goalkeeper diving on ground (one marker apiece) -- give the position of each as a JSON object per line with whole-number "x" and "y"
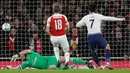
{"x": 35, "y": 60}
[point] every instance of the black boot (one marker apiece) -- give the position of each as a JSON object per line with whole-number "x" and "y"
{"x": 58, "y": 64}
{"x": 66, "y": 66}
{"x": 89, "y": 64}
{"x": 108, "y": 67}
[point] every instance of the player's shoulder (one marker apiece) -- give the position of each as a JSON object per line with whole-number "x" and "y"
{"x": 49, "y": 18}
{"x": 94, "y": 15}
{"x": 31, "y": 52}
{"x": 97, "y": 14}
{"x": 58, "y": 15}
{"x": 85, "y": 17}
{"x": 63, "y": 15}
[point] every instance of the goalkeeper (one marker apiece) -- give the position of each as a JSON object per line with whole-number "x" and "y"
{"x": 34, "y": 60}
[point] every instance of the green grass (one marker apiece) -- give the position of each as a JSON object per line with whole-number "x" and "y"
{"x": 66, "y": 71}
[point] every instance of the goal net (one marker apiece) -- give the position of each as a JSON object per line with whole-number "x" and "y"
{"x": 28, "y": 20}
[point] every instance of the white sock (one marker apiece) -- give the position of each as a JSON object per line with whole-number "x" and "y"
{"x": 56, "y": 52}
{"x": 67, "y": 57}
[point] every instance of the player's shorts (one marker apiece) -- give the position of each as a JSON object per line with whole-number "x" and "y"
{"x": 95, "y": 40}
{"x": 60, "y": 40}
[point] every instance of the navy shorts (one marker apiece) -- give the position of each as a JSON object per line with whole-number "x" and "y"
{"x": 95, "y": 40}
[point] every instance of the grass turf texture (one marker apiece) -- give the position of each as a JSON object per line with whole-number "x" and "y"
{"x": 66, "y": 71}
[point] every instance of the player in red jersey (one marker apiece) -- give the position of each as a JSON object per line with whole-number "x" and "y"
{"x": 57, "y": 27}
{"x": 74, "y": 41}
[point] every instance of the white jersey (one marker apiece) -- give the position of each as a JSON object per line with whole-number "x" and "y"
{"x": 93, "y": 22}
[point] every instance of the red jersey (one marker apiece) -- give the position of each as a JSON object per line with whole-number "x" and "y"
{"x": 57, "y": 22}
{"x": 74, "y": 32}
{"x": 11, "y": 42}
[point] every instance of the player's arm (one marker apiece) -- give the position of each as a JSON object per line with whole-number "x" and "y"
{"x": 25, "y": 52}
{"x": 80, "y": 23}
{"x": 48, "y": 27}
{"x": 9, "y": 67}
{"x": 77, "y": 40}
{"x": 22, "y": 66}
{"x": 14, "y": 57}
{"x": 67, "y": 25}
{"x": 14, "y": 68}
{"x": 74, "y": 60}
{"x": 12, "y": 39}
{"x": 111, "y": 18}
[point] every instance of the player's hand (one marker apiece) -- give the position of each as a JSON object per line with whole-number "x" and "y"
{"x": 14, "y": 57}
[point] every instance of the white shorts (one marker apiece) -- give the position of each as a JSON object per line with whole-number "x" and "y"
{"x": 60, "y": 40}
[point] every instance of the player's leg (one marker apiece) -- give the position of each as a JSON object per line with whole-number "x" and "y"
{"x": 55, "y": 43}
{"x": 52, "y": 62}
{"x": 10, "y": 67}
{"x": 103, "y": 44}
{"x": 56, "y": 52}
{"x": 108, "y": 57}
{"x": 65, "y": 46}
{"x": 92, "y": 45}
{"x": 107, "y": 54}
{"x": 95, "y": 57}
{"x": 80, "y": 61}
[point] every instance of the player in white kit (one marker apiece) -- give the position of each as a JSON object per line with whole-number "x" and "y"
{"x": 93, "y": 23}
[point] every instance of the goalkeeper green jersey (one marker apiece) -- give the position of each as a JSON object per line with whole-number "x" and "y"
{"x": 35, "y": 60}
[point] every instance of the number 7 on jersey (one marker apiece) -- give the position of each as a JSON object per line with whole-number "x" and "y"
{"x": 92, "y": 20}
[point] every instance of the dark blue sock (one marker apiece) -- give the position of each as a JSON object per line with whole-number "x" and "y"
{"x": 107, "y": 55}
{"x": 95, "y": 58}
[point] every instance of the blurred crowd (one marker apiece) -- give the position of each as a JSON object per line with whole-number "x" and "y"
{"x": 28, "y": 20}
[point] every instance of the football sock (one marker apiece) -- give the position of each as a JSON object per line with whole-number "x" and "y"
{"x": 67, "y": 57}
{"x": 107, "y": 56}
{"x": 56, "y": 52}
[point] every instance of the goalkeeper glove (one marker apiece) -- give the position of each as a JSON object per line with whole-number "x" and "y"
{"x": 14, "y": 57}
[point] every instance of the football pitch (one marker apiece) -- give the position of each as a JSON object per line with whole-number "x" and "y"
{"x": 66, "y": 71}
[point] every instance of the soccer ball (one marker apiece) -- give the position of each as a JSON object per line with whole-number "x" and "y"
{"x": 6, "y": 27}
